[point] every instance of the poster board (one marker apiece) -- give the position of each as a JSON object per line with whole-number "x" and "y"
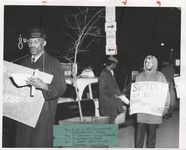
{"x": 148, "y": 98}
{"x": 18, "y": 104}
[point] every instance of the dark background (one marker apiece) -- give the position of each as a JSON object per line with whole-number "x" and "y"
{"x": 140, "y": 31}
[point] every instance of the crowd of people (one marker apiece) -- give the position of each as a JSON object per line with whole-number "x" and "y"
{"x": 109, "y": 102}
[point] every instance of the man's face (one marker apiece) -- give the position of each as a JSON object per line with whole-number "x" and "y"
{"x": 113, "y": 66}
{"x": 36, "y": 45}
{"x": 148, "y": 64}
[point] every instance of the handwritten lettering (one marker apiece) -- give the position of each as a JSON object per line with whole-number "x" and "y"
{"x": 148, "y": 97}
{"x": 13, "y": 99}
{"x": 144, "y": 87}
{"x": 159, "y": 3}
{"x": 124, "y": 2}
{"x": 44, "y": 2}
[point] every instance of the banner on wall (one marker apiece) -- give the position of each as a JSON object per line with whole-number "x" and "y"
{"x": 148, "y": 97}
{"x": 18, "y": 104}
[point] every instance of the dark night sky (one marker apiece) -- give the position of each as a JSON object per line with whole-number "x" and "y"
{"x": 139, "y": 32}
{"x": 19, "y": 19}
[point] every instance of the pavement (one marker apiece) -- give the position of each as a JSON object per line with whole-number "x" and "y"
{"x": 167, "y": 133}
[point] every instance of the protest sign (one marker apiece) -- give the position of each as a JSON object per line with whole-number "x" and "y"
{"x": 18, "y": 104}
{"x": 148, "y": 97}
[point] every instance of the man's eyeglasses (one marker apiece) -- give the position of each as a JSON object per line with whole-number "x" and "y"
{"x": 33, "y": 42}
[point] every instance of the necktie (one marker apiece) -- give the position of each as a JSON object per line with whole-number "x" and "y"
{"x": 33, "y": 60}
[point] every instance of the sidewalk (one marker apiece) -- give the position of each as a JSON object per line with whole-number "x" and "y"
{"x": 167, "y": 134}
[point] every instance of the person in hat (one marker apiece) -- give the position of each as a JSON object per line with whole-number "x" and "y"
{"x": 42, "y": 134}
{"x": 147, "y": 122}
{"x": 109, "y": 103}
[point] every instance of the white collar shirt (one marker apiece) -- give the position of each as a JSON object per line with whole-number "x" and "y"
{"x": 35, "y": 58}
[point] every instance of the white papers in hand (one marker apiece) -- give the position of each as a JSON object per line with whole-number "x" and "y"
{"x": 20, "y": 78}
{"x": 124, "y": 99}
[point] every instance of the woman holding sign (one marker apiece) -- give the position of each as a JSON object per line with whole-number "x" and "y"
{"x": 147, "y": 121}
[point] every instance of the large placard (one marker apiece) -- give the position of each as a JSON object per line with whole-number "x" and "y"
{"x": 18, "y": 104}
{"x": 148, "y": 98}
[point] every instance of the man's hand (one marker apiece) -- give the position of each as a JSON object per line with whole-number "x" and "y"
{"x": 38, "y": 83}
{"x": 165, "y": 111}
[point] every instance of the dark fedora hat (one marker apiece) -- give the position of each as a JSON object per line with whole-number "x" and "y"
{"x": 36, "y": 33}
{"x": 113, "y": 59}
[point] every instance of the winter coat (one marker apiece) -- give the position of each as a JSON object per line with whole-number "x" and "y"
{"x": 42, "y": 134}
{"x": 152, "y": 75}
{"x": 169, "y": 72}
{"x": 109, "y": 105}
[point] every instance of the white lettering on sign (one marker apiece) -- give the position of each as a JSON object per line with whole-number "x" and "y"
{"x": 11, "y": 98}
{"x": 148, "y": 86}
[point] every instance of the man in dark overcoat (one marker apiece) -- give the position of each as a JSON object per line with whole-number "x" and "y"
{"x": 42, "y": 134}
{"x": 109, "y": 103}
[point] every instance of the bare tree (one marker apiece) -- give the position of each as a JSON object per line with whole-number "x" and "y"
{"x": 83, "y": 32}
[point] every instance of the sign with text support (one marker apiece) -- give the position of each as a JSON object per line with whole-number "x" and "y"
{"x": 148, "y": 97}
